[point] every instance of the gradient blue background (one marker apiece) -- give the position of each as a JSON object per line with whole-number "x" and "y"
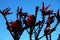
{"x": 27, "y": 6}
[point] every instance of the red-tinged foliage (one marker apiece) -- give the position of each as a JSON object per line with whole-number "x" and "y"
{"x": 31, "y": 20}
{"x": 44, "y": 10}
{"x": 6, "y": 13}
{"x": 25, "y": 21}
{"x": 21, "y": 13}
{"x": 48, "y": 12}
{"x": 47, "y": 30}
{"x": 50, "y": 19}
{"x": 47, "y": 7}
{"x": 16, "y": 25}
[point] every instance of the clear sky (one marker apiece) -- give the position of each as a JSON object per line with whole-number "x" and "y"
{"x": 27, "y": 6}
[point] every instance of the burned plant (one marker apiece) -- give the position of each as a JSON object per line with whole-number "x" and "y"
{"x": 29, "y": 23}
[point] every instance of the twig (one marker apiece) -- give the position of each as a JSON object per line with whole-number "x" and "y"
{"x": 53, "y": 29}
{"x": 46, "y": 37}
{"x": 50, "y": 36}
{"x": 58, "y": 37}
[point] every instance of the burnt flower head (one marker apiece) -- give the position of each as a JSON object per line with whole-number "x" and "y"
{"x": 31, "y": 20}
{"x": 16, "y": 25}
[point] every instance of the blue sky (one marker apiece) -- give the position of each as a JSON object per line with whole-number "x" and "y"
{"x": 27, "y": 6}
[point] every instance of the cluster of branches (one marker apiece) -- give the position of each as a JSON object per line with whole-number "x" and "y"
{"x": 28, "y": 22}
